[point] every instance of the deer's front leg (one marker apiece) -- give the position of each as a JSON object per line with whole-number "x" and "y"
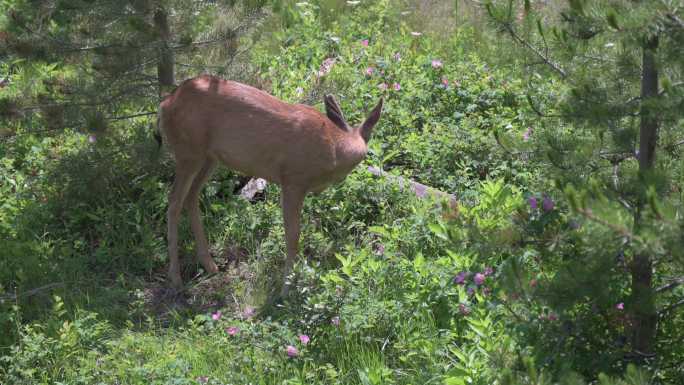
{"x": 292, "y": 200}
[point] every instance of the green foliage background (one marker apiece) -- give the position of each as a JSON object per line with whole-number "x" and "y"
{"x": 82, "y": 211}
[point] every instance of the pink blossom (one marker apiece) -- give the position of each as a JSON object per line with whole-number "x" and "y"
{"x": 445, "y": 81}
{"x": 463, "y": 309}
{"x": 620, "y": 306}
{"x": 533, "y": 202}
{"x": 383, "y": 86}
{"x": 364, "y": 43}
{"x": 369, "y": 71}
{"x": 416, "y": 33}
{"x": 547, "y": 204}
{"x": 527, "y": 134}
{"x": 292, "y": 351}
{"x": 304, "y": 339}
{"x": 248, "y": 312}
{"x": 378, "y": 249}
{"x": 488, "y": 271}
{"x": 460, "y": 278}
{"x": 335, "y": 321}
{"x": 216, "y": 316}
{"x": 396, "y": 86}
{"x": 552, "y": 317}
{"x": 92, "y": 138}
{"x": 479, "y": 279}
{"x": 233, "y": 330}
{"x": 436, "y": 63}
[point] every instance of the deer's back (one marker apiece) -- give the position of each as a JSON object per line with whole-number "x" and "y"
{"x": 249, "y": 130}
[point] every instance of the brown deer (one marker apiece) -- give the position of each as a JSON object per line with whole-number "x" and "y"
{"x": 207, "y": 120}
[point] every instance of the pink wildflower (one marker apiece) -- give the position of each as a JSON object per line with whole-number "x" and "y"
{"x": 397, "y": 56}
{"x": 527, "y": 134}
{"x": 304, "y": 339}
{"x": 233, "y": 330}
{"x": 216, "y": 316}
{"x": 364, "y": 43}
{"x": 533, "y": 202}
{"x": 383, "y": 86}
{"x": 445, "y": 81}
{"x": 436, "y": 63}
{"x": 463, "y": 309}
{"x": 92, "y": 139}
{"x": 396, "y": 86}
{"x": 369, "y": 71}
{"x": 460, "y": 278}
{"x": 547, "y": 204}
{"x": 291, "y": 351}
{"x": 479, "y": 279}
{"x": 248, "y": 312}
{"x": 416, "y": 33}
{"x": 335, "y": 321}
{"x": 552, "y": 317}
{"x": 620, "y": 306}
{"x": 488, "y": 271}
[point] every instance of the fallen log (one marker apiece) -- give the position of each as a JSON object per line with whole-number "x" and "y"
{"x": 256, "y": 185}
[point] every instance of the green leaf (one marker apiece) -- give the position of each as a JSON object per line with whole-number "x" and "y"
{"x": 611, "y": 17}
{"x": 379, "y": 230}
{"x": 454, "y": 381}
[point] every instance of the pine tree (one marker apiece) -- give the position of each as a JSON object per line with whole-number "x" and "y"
{"x": 84, "y": 63}
{"x": 612, "y": 133}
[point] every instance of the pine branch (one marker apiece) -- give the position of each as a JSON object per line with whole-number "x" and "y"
{"x": 671, "y": 285}
{"x": 589, "y": 214}
{"x": 555, "y": 66}
{"x": 668, "y": 309}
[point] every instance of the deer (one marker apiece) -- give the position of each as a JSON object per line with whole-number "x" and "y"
{"x": 207, "y": 121}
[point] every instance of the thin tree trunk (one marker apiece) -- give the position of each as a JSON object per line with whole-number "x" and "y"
{"x": 644, "y": 314}
{"x": 165, "y": 66}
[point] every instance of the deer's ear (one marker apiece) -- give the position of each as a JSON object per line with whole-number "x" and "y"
{"x": 372, "y": 119}
{"x": 332, "y": 109}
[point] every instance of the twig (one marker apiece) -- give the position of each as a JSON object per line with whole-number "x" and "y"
{"x": 14, "y": 297}
{"x": 132, "y": 116}
{"x": 671, "y": 285}
{"x": 676, "y": 20}
{"x": 534, "y": 50}
{"x": 668, "y": 309}
{"x": 618, "y": 229}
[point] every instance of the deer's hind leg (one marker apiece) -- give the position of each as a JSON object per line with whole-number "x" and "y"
{"x": 186, "y": 170}
{"x": 192, "y": 205}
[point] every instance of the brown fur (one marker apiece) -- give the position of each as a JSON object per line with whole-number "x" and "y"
{"x": 208, "y": 120}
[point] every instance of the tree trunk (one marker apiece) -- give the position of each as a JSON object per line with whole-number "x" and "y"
{"x": 165, "y": 66}
{"x": 644, "y": 316}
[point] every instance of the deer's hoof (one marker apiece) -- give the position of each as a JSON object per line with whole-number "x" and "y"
{"x": 209, "y": 265}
